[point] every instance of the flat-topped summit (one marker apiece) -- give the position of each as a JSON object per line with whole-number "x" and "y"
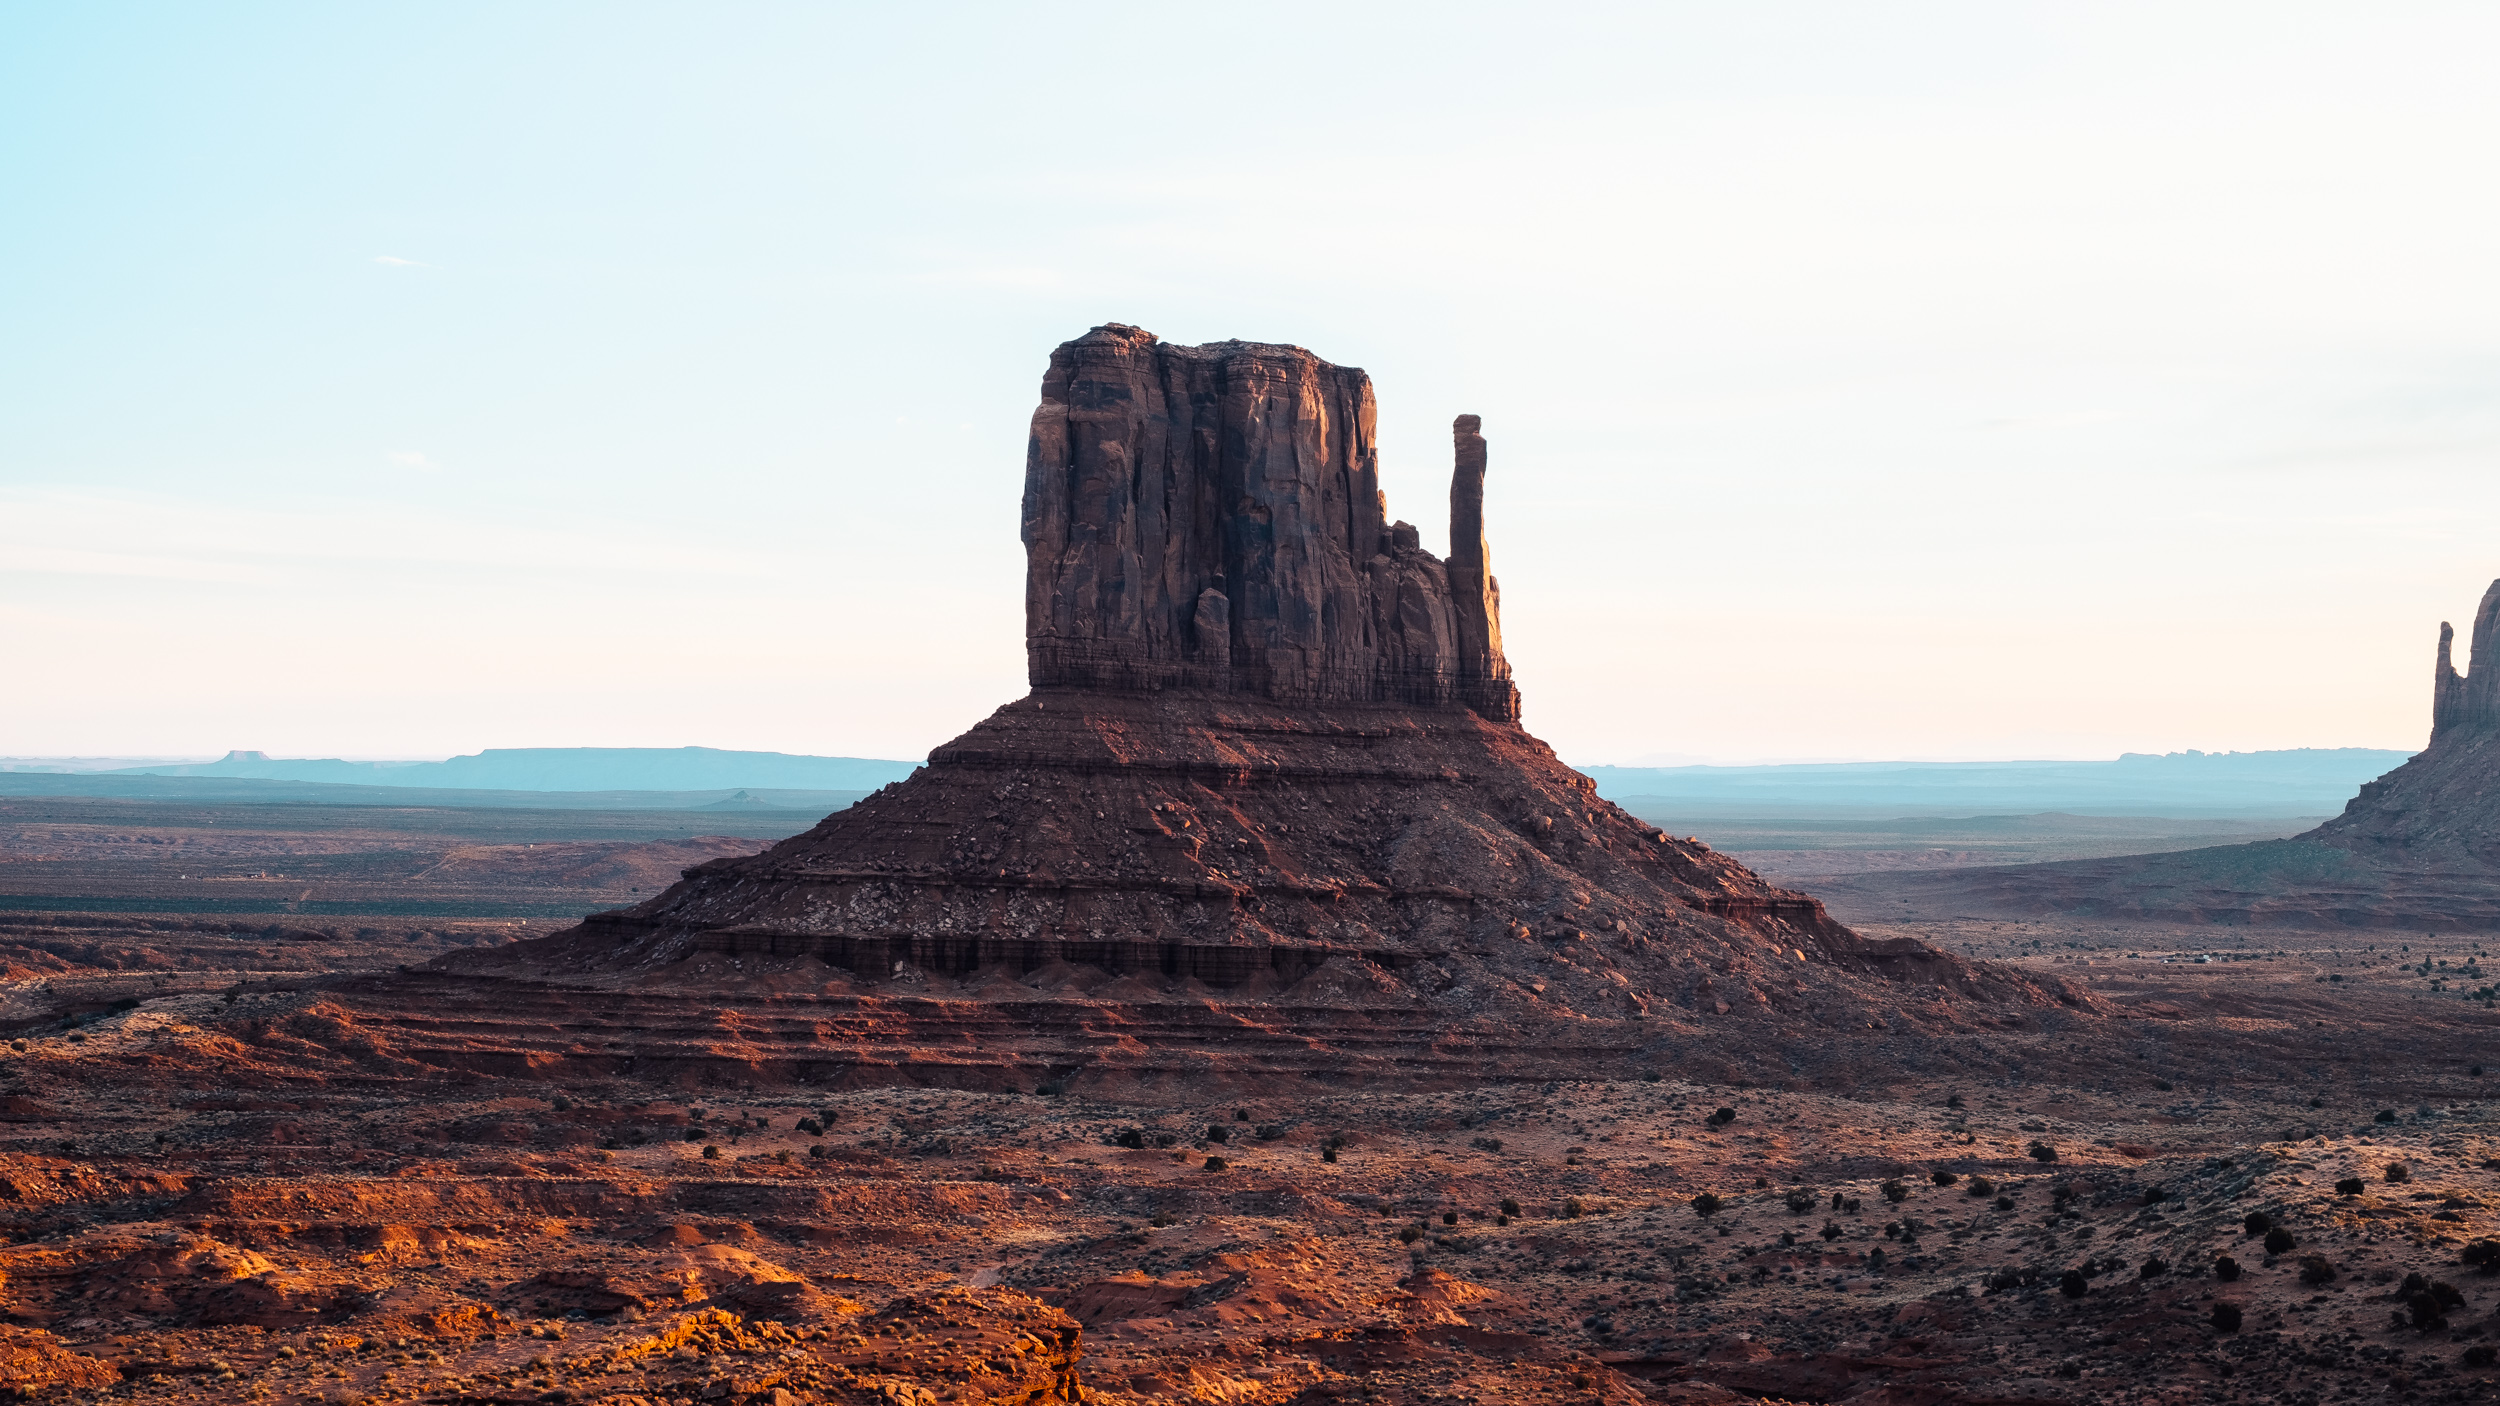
{"x": 1211, "y": 518}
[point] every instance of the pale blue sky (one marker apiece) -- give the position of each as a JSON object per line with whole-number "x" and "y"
{"x": 1862, "y": 381}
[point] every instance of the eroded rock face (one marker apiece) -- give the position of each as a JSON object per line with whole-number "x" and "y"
{"x": 1211, "y": 518}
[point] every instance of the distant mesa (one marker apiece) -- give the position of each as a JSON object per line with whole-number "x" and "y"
{"x": 1271, "y": 754}
{"x": 2417, "y": 848}
{"x": 568, "y": 769}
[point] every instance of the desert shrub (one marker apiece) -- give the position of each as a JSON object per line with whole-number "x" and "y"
{"x": 2042, "y": 1152}
{"x": 2482, "y": 1254}
{"x": 1134, "y": 1138}
{"x": 2350, "y": 1186}
{"x": 1241, "y": 1115}
{"x": 2257, "y": 1222}
{"x": 2162, "y": 1084}
{"x": 694, "y": 1135}
{"x": 1572, "y": 1209}
{"x": 2154, "y": 1196}
{"x": 2316, "y": 1271}
{"x": 1707, "y": 1204}
{"x": 2386, "y": 1115}
{"x": 1832, "y": 1230}
{"x": 1217, "y": 1164}
{"x": 1894, "y": 1191}
{"x": 1801, "y": 1201}
{"x": 1409, "y": 1234}
{"x": 1721, "y": 1117}
{"x": 1849, "y": 1206}
{"x": 711, "y": 1153}
{"x": 1510, "y": 1206}
{"x": 2005, "y": 1203}
{"x": 2226, "y": 1269}
{"x": 1328, "y": 1154}
{"x": 782, "y": 1156}
{"x": 1217, "y": 1132}
{"x": 1449, "y": 1217}
{"x": 1941, "y": 1177}
{"x": 2397, "y": 1173}
{"x": 2426, "y": 1310}
{"x": 1485, "y": 1144}
{"x": 2073, "y": 1285}
{"x": 2154, "y": 1265}
{"x": 1269, "y": 1132}
{"x": 818, "y": 1151}
{"x": 1953, "y": 1101}
{"x": 1650, "y": 1076}
{"x": 1980, "y": 1186}
{"x": 2280, "y": 1241}
{"x": 2227, "y": 1317}
{"x": 2480, "y": 1355}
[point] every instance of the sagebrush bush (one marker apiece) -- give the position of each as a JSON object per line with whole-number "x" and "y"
{"x": 2226, "y": 1269}
{"x": 1705, "y": 1205}
{"x": 2280, "y": 1241}
{"x": 2227, "y": 1317}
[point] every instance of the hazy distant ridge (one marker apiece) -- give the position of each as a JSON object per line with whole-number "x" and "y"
{"x": 2308, "y": 781}
{"x": 567, "y": 769}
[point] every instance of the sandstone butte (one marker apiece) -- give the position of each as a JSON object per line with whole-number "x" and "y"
{"x": 1267, "y": 809}
{"x": 2416, "y": 850}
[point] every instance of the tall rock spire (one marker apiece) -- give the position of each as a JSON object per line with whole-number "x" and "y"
{"x": 1483, "y": 675}
{"x": 1211, "y": 518}
{"x": 2473, "y": 700}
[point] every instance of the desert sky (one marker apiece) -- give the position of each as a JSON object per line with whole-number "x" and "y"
{"x": 1918, "y": 380}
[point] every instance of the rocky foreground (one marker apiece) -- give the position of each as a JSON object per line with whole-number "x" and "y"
{"x": 242, "y": 1199}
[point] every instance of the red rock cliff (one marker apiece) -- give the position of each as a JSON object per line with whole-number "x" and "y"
{"x": 1211, "y": 518}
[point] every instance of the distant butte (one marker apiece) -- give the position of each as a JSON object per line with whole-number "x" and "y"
{"x": 1268, "y": 807}
{"x": 2418, "y": 849}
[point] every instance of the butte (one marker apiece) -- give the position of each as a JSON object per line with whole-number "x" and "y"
{"x": 2418, "y": 849}
{"x": 1267, "y": 812}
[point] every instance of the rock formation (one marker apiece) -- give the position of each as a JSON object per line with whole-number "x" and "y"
{"x": 2472, "y": 702}
{"x": 1271, "y": 753}
{"x": 2417, "y": 848}
{"x": 1211, "y": 518}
